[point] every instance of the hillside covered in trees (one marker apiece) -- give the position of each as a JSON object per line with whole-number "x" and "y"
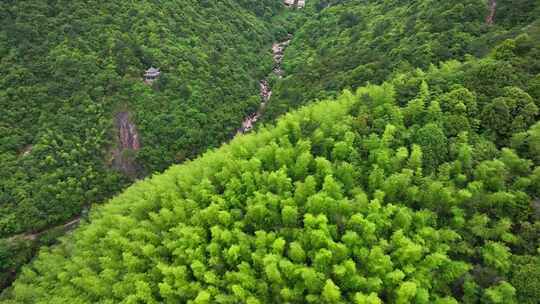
{"x": 71, "y": 70}
{"x": 355, "y": 200}
{"x": 418, "y": 183}
{"x": 349, "y": 43}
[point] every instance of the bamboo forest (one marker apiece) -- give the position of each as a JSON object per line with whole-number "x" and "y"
{"x": 270, "y": 151}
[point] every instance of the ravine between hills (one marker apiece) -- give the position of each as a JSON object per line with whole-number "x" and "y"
{"x": 128, "y": 136}
{"x": 278, "y": 50}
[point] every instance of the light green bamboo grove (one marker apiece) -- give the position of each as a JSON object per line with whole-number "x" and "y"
{"x": 345, "y": 201}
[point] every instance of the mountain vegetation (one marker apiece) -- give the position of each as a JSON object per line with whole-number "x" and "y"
{"x": 68, "y": 68}
{"x": 349, "y": 43}
{"x": 404, "y": 166}
{"x": 356, "y": 200}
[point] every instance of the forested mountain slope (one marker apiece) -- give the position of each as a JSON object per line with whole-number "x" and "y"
{"x": 71, "y": 69}
{"x": 424, "y": 188}
{"x": 358, "y": 200}
{"x": 348, "y": 43}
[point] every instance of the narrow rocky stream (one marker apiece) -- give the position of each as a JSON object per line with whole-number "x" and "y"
{"x": 492, "y": 6}
{"x": 278, "y": 49}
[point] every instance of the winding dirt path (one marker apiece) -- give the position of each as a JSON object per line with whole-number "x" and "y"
{"x": 35, "y": 235}
{"x": 278, "y": 50}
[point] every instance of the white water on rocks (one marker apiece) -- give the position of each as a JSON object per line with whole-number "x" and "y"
{"x": 278, "y": 49}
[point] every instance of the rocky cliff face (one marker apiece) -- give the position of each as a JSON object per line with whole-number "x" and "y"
{"x": 492, "y": 5}
{"x": 128, "y": 144}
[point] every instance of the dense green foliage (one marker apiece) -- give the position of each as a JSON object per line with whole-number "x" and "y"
{"x": 353, "y": 42}
{"x": 359, "y": 200}
{"x": 69, "y": 66}
{"x": 424, "y": 188}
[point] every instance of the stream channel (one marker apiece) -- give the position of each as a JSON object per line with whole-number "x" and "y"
{"x": 278, "y": 49}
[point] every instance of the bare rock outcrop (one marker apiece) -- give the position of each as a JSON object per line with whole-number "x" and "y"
{"x": 128, "y": 143}
{"x": 492, "y": 6}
